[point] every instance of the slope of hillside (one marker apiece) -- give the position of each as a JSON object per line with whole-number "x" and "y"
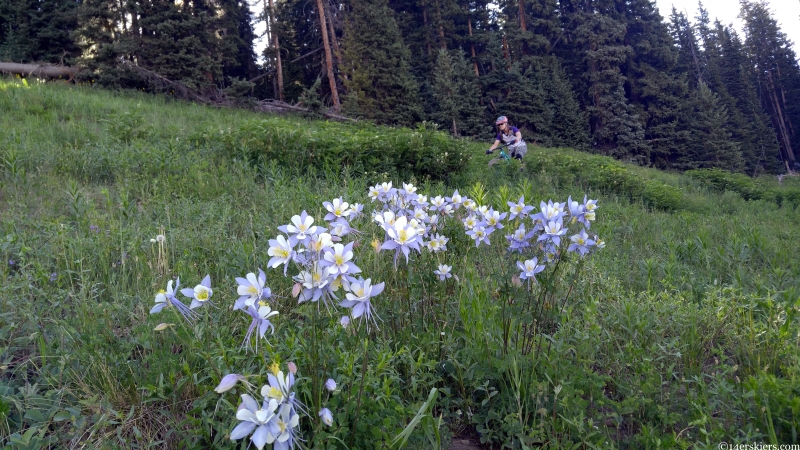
{"x": 682, "y": 330}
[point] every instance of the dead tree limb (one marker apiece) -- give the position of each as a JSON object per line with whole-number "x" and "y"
{"x": 39, "y": 70}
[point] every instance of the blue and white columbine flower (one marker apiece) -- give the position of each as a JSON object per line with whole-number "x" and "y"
{"x": 255, "y": 418}
{"x": 553, "y": 230}
{"x": 167, "y": 297}
{"x": 282, "y": 251}
{"x": 260, "y": 321}
{"x": 529, "y": 269}
{"x": 519, "y": 209}
{"x": 443, "y": 272}
{"x": 338, "y": 260}
{"x": 361, "y": 291}
{"x": 200, "y": 294}
{"x": 581, "y": 243}
{"x": 301, "y": 228}
{"x": 251, "y": 290}
{"x": 337, "y": 209}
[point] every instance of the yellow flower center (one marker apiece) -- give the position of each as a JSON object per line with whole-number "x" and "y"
{"x": 275, "y": 368}
{"x": 581, "y": 241}
{"x": 252, "y": 290}
{"x": 274, "y": 393}
{"x": 402, "y": 236}
{"x": 162, "y": 291}
{"x": 359, "y": 292}
{"x": 337, "y": 211}
{"x": 281, "y": 253}
{"x": 282, "y": 426}
{"x": 338, "y": 259}
{"x": 262, "y": 303}
{"x": 202, "y": 295}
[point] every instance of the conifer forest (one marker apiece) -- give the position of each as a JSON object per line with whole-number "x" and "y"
{"x": 619, "y": 78}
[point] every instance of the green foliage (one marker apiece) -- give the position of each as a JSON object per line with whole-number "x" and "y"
{"x": 748, "y": 188}
{"x": 681, "y": 333}
{"x": 377, "y": 152}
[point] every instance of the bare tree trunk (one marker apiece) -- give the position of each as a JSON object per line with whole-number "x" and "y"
{"x": 443, "y": 43}
{"x": 472, "y": 48}
{"x": 328, "y": 58}
{"x": 334, "y": 42}
{"x": 505, "y": 54}
{"x": 524, "y": 26}
{"x": 276, "y": 45}
{"x": 784, "y": 133}
{"x": 38, "y": 70}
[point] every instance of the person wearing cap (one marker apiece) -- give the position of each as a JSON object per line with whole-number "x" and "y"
{"x": 511, "y": 137}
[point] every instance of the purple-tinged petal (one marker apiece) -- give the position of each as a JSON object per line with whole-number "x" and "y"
{"x": 242, "y": 430}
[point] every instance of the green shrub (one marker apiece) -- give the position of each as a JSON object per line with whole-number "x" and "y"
{"x": 663, "y": 196}
{"x": 748, "y": 188}
{"x": 326, "y": 146}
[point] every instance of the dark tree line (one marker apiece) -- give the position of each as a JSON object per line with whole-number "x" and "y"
{"x": 611, "y": 76}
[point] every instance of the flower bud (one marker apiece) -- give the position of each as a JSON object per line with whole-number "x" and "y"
{"x": 330, "y": 385}
{"x": 327, "y": 416}
{"x": 228, "y": 382}
{"x": 162, "y": 326}
{"x": 292, "y": 368}
{"x": 345, "y": 321}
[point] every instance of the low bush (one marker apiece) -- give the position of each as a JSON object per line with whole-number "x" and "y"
{"x": 748, "y": 188}
{"x": 423, "y": 153}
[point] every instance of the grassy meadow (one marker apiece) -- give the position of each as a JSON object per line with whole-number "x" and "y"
{"x": 683, "y": 332}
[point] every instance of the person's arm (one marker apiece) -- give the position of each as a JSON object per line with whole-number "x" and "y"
{"x": 519, "y": 137}
{"x": 494, "y": 146}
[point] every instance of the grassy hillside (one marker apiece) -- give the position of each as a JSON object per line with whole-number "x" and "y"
{"x": 681, "y": 332}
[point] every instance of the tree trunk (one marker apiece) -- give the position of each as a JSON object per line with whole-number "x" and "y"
{"x": 276, "y": 45}
{"x": 784, "y": 134}
{"x": 328, "y": 58}
{"x": 440, "y": 26}
{"x": 524, "y": 26}
{"x": 472, "y": 48}
{"x": 38, "y": 70}
{"x": 335, "y": 42}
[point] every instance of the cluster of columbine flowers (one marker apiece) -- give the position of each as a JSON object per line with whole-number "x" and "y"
{"x": 411, "y": 220}
{"x": 324, "y": 263}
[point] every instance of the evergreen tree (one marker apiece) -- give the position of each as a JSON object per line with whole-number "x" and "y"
{"x": 457, "y": 93}
{"x": 778, "y": 76}
{"x": 38, "y": 31}
{"x": 711, "y": 143}
{"x": 379, "y": 83}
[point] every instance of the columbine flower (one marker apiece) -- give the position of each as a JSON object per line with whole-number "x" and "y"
{"x": 200, "y": 294}
{"x": 550, "y": 211}
{"x": 519, "y": 240}
{"x": 437, "y": 244}
{"x": 553, "y": 230}
{"x": 167, "y": 297}
{"x": 356, "y": 210}
{"x": 479, "y": 235}
{"x": 373, "y": 193}
{"x": 229, "y": 381}
{"x": 529, "y": 268}
{"x": 320, "y": 242}
{"x": 340, "y": 229}
{"x": 344, "y": 321}
{"x": 438, "y": 203}
{"x": 301, "y": 228}
{"x": 280, "y": 386}
{"x": 336, "y": 209}
{"x": 260, "y": 321}
{"x": 402, "y": 238}
{"x": 359, "y": 298}
{"x": 281, "y": 252}
{"x": 255, "y": 418}
{"x": 493, "y": 220}
{"x": 581, "y": 243}
{"x": 284, "y": 428}
{"x": 469, "y": 204}
{"x": 326, "y": 415}
{"x": 444, "y": 272}
{"x": 314, "y": 283}
{"x": 470, "y": 222}
{"x": 519, "y": 209}
{"x": 330, "y": 385}
{"x": 456, "y": 199}
{"x": 251, "y": 290}
{"x": 338, "y": 260}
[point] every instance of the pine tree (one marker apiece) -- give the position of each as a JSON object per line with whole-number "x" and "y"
{"x": 711, "y": 143}
{"x": 457, "y": 93}
{"x": 778, "y": 76}
{"x": 379, "y": 83}
{"x": 37, "y": 31}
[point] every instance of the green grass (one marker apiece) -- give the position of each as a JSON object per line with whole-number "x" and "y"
{"x": 682, "y": 332}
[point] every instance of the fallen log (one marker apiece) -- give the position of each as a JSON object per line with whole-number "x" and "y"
{"x": 39, "y": 70}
